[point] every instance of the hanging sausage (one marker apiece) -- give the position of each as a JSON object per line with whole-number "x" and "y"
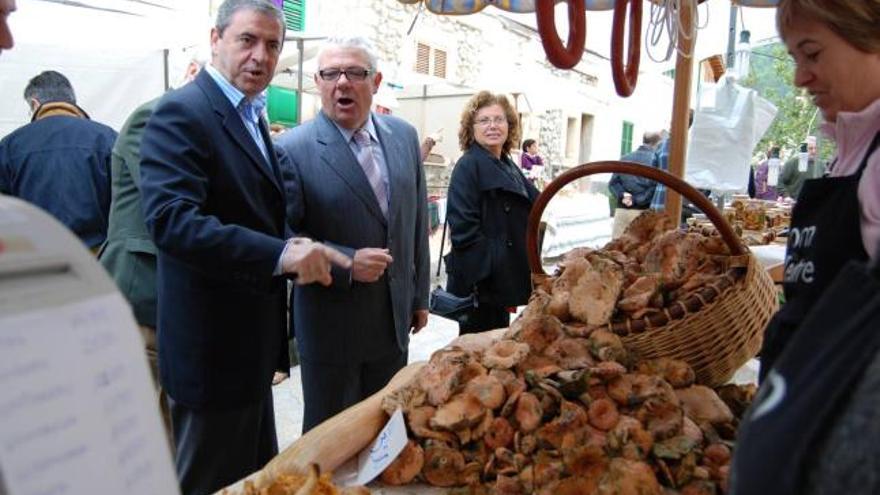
{"x": 625, "y": 77}
{"x": 564, "y": 57}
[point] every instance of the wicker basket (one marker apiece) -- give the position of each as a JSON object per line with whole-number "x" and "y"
{"x": 716, "y": 329}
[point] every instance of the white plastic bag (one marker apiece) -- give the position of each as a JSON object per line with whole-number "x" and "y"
{"x": 723, "y": 136}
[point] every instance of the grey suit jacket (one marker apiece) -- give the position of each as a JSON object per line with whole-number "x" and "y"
{"x": 129, "y": 254}
{"x": 330, "y": 200}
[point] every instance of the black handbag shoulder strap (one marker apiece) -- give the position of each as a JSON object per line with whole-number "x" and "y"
{"x": 492, "y": 194}
{"x": 442, "y": 245}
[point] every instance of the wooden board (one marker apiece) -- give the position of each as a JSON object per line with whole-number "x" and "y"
{"x": 343, "y": 436}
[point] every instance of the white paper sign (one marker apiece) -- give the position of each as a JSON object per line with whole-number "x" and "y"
{"x": 78, "y": 412}
{"x": 377, "y": 456}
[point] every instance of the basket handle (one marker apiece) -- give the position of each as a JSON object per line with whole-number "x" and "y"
{"x": 727, "y": 234}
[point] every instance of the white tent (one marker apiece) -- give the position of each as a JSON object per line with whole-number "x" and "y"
{"x": 113, "y": 52}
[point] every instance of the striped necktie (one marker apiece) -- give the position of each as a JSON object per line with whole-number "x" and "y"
{"x": 371, "y": 168}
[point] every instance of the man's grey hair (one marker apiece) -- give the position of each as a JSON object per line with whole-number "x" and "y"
{"x": 50, "y": 86}
{"x": 357, "y": 42}
{"x": 230, "y": 7}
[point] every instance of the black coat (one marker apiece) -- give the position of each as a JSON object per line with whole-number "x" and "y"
{"x": 487, "y": 211}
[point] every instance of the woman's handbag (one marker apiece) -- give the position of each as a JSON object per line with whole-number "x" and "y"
{"x": 445, "y": 304}
{"x": 450, "y": 306}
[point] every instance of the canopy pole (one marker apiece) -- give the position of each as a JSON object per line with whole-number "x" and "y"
{"x": 300, "y": 46}
{"x": 680, "y": 107}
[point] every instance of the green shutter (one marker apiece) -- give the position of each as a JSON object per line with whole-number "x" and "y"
{"x": 626, "y": 138}
{"x": 295, "y": 14}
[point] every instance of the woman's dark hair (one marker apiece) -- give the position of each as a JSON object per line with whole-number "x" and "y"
{"x": 527, "y": 144}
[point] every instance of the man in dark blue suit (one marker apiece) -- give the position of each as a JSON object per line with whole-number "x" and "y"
{"x": 214, "y": 204}
{"x": 356, "y": 182}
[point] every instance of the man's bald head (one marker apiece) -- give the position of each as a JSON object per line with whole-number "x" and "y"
{"x": 651, "y": 138}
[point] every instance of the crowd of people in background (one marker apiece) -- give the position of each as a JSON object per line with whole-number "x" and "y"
{"x": 782, "y": 181}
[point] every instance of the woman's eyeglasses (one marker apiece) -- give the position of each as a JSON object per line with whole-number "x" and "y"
{"x": 352, "y": 73}
{"x": 485, "y": 121}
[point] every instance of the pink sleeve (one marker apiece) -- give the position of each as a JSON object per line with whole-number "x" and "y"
{"x": 869, "y": 199}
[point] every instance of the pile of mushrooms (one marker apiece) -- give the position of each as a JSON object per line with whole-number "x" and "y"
{"x": 548, "y": 407}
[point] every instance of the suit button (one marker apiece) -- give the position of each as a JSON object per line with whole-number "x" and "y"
{"x": 506, "y": 207}
{"x": 509, "y": 243}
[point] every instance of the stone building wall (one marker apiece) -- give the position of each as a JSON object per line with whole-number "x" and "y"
{"x": 489, "y": 51}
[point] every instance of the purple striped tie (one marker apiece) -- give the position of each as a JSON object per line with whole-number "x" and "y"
{"x": 371, "y": 168}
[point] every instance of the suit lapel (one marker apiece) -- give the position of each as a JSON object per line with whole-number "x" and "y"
{"x": 235, "y": 127}
{"x": 394, "y": 152}
{"x": 270, "y": 149}
{"x": 337, "y": 155}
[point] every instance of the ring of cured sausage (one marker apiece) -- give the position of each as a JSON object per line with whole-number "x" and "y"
{"x": 625, "y": 77}
{"x": 562, "y": 56}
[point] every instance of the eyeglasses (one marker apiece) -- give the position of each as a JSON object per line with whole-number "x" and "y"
{"x": 352, "y": 73}
{"x": 485, "y": 121}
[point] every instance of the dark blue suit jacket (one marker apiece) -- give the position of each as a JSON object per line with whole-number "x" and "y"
{"x": 215, "y": 209}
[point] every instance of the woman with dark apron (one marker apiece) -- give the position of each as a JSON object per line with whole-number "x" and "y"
{"x": 825, "y": 234}
{"x": 829, "y": 218}
{"x": 812, "y": 427}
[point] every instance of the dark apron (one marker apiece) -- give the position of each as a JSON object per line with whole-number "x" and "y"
{"x": 782, "y": 437}
{"x": 825, "y": 234}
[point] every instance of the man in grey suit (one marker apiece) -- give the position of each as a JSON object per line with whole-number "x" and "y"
{"x": 355, "y": 181}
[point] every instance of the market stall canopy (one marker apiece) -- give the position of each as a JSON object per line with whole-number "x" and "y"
{"x": 99, "y": 24}
{"x": 461, "y": 7}
{"x": 111, "y": 50}
{"x": 290, "y": 55}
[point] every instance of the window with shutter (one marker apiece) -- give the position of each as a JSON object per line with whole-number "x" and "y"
{"x": 423, "y": 59}
{"x": 430, "y": 60}
{"x": 439, "y": 63}
{"x": 294, "y": 14}
{"x": 626, "y": 138}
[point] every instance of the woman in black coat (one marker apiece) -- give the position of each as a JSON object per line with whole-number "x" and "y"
{"x": 487, "y": 210}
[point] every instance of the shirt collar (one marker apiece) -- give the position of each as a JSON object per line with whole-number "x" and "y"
{"x": 233, "y": 94}
{"x": 853, "y": 129}
{"x": 368, "y": 126}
